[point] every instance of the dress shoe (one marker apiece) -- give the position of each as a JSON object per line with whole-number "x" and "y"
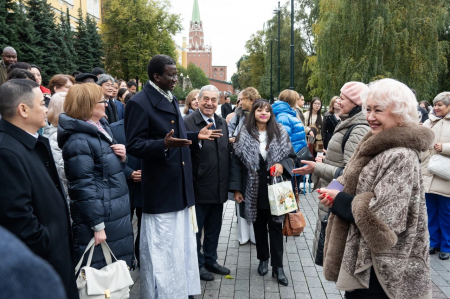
{"x": 205, "y": 274}
{"x": 218, "y": 269}
{"x": 191, "y": 297}
{"x": 263, "y": 267}
{"x": 444, "y": 255}
{"x": 433, "y": 250}
{"x": 279, "y": 274}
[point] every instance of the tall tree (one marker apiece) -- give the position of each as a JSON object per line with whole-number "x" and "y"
{"x": 49, "y": 42}
{"x": 197, "y": 76}
{"x": 82, "y": 46}
{"x": 25, "y": 37}
{"x": 68, "y": 36}
{"x": 6, "y": 19}
{"x": 96, "y": 44}
{"x": 133, "y": 32}
{"x": 68, "y": 54}
{"x": 365, "y": 40}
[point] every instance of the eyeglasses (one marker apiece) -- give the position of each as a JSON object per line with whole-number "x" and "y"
{"x": 316, "y": 104}
{"x": 103, "y": 101}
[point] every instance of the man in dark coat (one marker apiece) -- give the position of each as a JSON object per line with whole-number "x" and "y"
{"x": 226, "y": 107}
{"x": 133, "y": 174}
{"x": 156, "y": 134}
{"x": 33, "y": 205}
{"x": 210, "y": 166}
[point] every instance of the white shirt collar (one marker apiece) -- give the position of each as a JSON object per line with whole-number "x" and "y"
{"x": 207, "y": 118}
{"x": 35, "y": 135}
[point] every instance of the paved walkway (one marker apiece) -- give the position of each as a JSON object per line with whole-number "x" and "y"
{"x": 306, "y": 279}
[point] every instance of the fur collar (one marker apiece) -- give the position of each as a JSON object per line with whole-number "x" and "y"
{"x": 415, "y": 137}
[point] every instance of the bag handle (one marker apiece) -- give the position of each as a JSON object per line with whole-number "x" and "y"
{"x": 107, "y": 253}
{"x": 91, "y": 242}
{"x": 296, "y": 188}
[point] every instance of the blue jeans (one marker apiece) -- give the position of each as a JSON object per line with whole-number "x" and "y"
{"x": 438, "y": 208}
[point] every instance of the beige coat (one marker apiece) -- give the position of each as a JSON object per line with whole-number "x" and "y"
{"x": 335, "y": 160}
{"x": 441, "y": 129}
{"x": 390, "y": 232}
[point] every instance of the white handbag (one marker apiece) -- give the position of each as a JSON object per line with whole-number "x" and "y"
{"x": 112, "y": 281}
{"x": 440, "y": 165}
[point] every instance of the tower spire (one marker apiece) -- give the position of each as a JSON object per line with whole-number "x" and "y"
{"x": 195, "y": 12}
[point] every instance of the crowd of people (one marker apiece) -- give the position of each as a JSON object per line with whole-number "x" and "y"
{"x": 80, "y": 158}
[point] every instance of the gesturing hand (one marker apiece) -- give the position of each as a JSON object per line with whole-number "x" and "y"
{"x": 307, "y": 169}
{"x": 170, "y": 142}
{"x": 207, "y": 134}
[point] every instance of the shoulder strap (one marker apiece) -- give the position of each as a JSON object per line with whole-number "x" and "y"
{"x": 347, "y": 135}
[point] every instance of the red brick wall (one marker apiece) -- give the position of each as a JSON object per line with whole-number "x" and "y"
{"x": 219, "y": 73}
{"x": 201, "y": 60}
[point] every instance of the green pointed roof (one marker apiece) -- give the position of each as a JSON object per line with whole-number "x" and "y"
{"x": 195, "y": 12}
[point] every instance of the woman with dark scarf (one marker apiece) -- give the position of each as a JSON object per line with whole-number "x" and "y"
{"x": 261, "y": 144}
{"x": 352, "y": 127}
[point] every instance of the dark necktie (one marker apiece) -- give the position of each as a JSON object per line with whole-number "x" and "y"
{"x": 213, "y": 127}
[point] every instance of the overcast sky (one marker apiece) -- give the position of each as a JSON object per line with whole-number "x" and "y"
{"x": 227, "y": 24}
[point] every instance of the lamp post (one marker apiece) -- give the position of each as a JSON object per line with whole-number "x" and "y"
{"x": 292, "y": 45}
{"x": 271, "y": 91}
{"x": 278, "y": 11}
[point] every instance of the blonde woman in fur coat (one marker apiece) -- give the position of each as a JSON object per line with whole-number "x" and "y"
{"x": 376, "y": 242}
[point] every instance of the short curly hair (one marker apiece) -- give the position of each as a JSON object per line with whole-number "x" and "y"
{"x": 158, "y": 64}
{"x": 396, "y": 95}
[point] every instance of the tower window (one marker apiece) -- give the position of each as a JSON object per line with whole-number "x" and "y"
{"x": 215, "y": 75}
{"x": 206, "y": 64}
{"x": 221, "y": 74}
{"x": 200, "y": 64}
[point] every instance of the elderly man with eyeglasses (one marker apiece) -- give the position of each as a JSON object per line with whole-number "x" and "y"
{"x": 106, "y": 82}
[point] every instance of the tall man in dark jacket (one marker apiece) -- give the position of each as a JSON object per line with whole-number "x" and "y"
{"x": 210, "y": 173}
{"x": 156, "y": 134}
{"x": 226, "y": 108}
{"x": 33, "y": 205}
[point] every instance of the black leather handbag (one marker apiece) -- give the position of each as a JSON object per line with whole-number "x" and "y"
{"x": 321, "y": 242}
{"x": 304, "y": 154}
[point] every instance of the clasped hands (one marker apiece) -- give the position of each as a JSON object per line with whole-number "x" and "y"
{"x": 204, "y": 134}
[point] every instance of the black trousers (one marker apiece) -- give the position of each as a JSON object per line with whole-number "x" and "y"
{"x": 139, "y": 217}
{"x": 375, "y": 290}
{"x": 209, "y": 218}
{"x": 264, "y": 219}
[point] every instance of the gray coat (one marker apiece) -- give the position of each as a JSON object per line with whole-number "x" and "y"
{"x": 336, "y": 160}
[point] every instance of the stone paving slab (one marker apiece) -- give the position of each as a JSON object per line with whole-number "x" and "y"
{"x": 306, "y": 279}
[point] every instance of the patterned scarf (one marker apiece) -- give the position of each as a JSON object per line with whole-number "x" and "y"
{"x": 100, "y": 128}
{"x": 247, "y": 150}
{"x": 168, "y": 95}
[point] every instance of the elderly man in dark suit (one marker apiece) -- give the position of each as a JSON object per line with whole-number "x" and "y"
{"x": 210, "y": 166}
{"x": 33, "y": 205}
{"x": 156, "y": 134}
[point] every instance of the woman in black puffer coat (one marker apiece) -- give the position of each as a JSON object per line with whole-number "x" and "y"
{"x": 97, "y": 186}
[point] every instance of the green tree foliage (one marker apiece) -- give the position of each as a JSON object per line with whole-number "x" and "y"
{"x": 68, "y": 54}
{"x": 133, "y": 32}
{"x": 25, "y": 36}
{"x": 365, "y": 40}
{"x": 82, "y": 46}
{"x": 50, "y": 41}
{"x": 197, "y": 76}
{"x": 95, "y": 42}
{"x": 254, "y": 68}
{"x": 6, "y": 20}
